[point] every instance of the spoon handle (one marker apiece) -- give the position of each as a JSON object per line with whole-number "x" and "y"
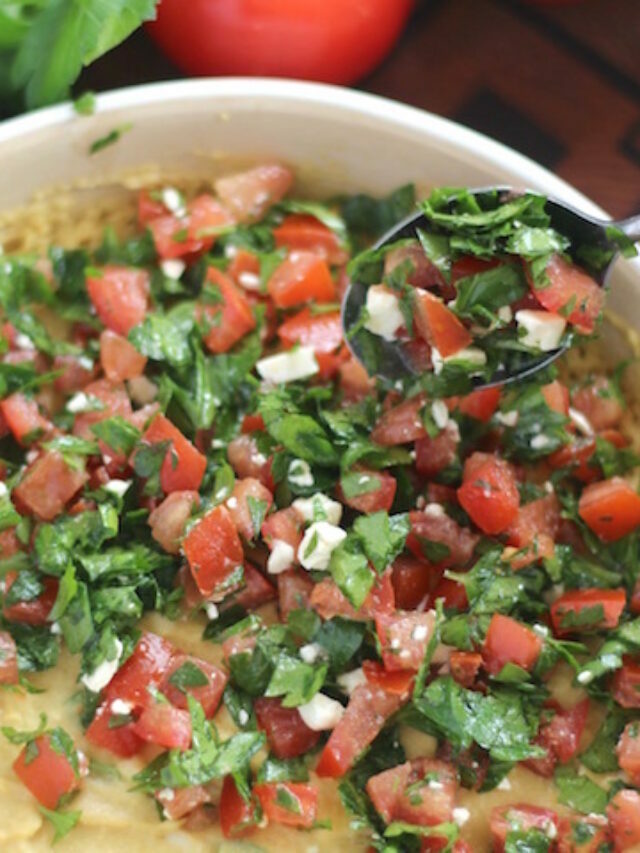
{"x": 630, "y": 227}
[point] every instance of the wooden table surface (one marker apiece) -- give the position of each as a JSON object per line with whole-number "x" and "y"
{"x": 559, "y": 83}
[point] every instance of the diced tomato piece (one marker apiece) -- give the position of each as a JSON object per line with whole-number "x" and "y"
{"x": 75, "y": 375}
{"x": 177, "y": 803}
{"x": 424, "y": 273}
{"x": 237, "y": 816}
{"x": 452, "y": 593}
{"x": 404, "y": 638}
{"x": 623, "y": 812}
{"x": 230, "y": 319}
{"x": 625, "y": 686}
{"x": 9, "y": 543}
{"x": 294, "y": 592}
{"x": 288, "y": 803}
{"x": 300, "y": 278}
{"x": 580, "y": 610}
{"x": 243, "y": 262}
{"x": 405, "y": 793}
{"x": 247, "y": 461}
{"x": 249, "y": 194}
{"x": 145, "y": 668}
{"x": 213, "y": 550}
{"x": 239, "y": 643}
{"x": 560, "y": 736}
{"x": 509, "y": 641}
{"x": 489, "y": 492}
{"x": 120, "y": 360}
{"x": 283, "y": 525}
{"x": 113, "y": 399}
{"x": 413, "y": 582}
{"x": 247, "y": 495}
{"x": 381, "y": 490}
{"x": 634, "y": 603}
{"x": 48, "y": 485}
{"x": 570, "y": 291}
{"x": 252, "y": 423}
{"x": 36, "y": 611}
{"x": 287, "y": 733}
{"x": 355, "y": 382}
{"x": 179, "y": 237}
{"x": 322, "y": 332}
{"x": 432, "y": 530}
{"x": 628, "y": 751}
{"x": 465, "y": 666}
{"x": 149, "y": 208}
{"x": 599, "y": 403}
{"x": 327, "y": 600}
{"x": 183, "y": 466}
{"x": 302, "y": 232}
{"x": 47, "y": 773}
{"x": 401, "y": 424}
{"x": 365, "y": 715}
{"x": 8, "y": 659}
{"x": 119, "y": 739}
{"x": 120, "y": 296}
{"x": 610, "y": 508}
{"x": 438, "y": 325}
{"x": 469, "y": 265}
{"x": 168, "y": 520}
{"x": 435, "y": 454}
{"x": 24, "y": 419}
{"x": 256, "y": 590}
{"x": 399, "y": 682}
{"x": 536, "y": 527}
{"x": 165, "y": 726}
{"x": 480, "y": 404}
{"x": 208, "y": 695}
{"x": 556, "y": 396}
{"x": 520, "y": 817}
{"x": 578, "y": 456}
{"x": 584, "y": 834}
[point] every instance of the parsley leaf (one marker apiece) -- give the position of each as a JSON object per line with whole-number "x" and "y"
{"x": 62, "y": 822}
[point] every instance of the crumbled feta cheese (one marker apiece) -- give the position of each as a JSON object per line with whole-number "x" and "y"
{"x": 249, "y": 280}
{"x": 419, "y": 633}
{"x": 505, "y": 314}
{"x": 104, "y": 672}
{"x": 384, "y": 314}
{"x": 472, "y": 356}
{"x": 541, "y": 442}
{"x": 540, "y": 329}
{"x": 55, "y": 628}
{"x": 348, "y": 681}
{"x": 318, "y": 543}
{"x": 80, "y": 402}
{"x": 217, "y": 444}
{"x": 508, "y": 419}
{"x": 243, "y": 717}
{"x": 173, "y": 268}
{"x": 461, "y": 815}
{"x": 230, "y": 251}
{"x": 211, "y": 610}
{"x": 434, "y": 510}
{"x": 142, "y": 390}
{"x": 174, "y": 201}
{"x": 581, "y": 422}
{"x": 232, "y": 502}
{"x": 119, "y": 706}
{"x": 504, "y": 785}
{"x": 321, "y": 713}
{"x": 585, "y": 677}
{"x": 300, "y": 474}
{"x": 167, "y": 794}
{"x": 298, "y": 363}
{"x": 318, "y": 508}
{"x": 311, "y": 652}
{"x": 23, "y": 341}
{"x": 281, "y": 557}
{"x": 440, "y": 413}
{"x": 436, "y": 360}
{"x": 3, "y": 490}
{"x": 117, "y": 487}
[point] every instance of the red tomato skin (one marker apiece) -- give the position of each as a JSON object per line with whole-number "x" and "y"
{"x": 323, "y": 332}
{"x": 149, "y": 208}
{"x": 424, "y": 273}
{"x": 434, "y": 525}
{"x": 505, "y": 818}
{"x": 115, "y": 401}
{"x": 424, "y": 805}
{"x": 8, "y": 659}
{"x": 300, "y": 278}
{"x": 399, "y": 682}
{"x": 598, "y": 840}
{"x": 413, "y": 582}
{"x": 401, "y": 424}
{"x": 469, "y": 265}
{"x": 74, "y": 375}
{"x": 287, "y": 733}
{"x": 168, "y": 519}
{"x": 121, "y": 740}
{"x": 439, "y": 326}
{"x": 120, "y": 360}
{"x": 184, "y": 237}
{"x": 465, "y": 667}
{"x": 610, "y": 508}
{"x": 257, "y": 590}
{"x": 183, "y": 467}
{"x": 599, "y": 403}
{"x": 305, "y": 795}
{"x": 539, "y": 517}
{"x": 452, "y": 593}
{"x": 230, "y": 320}
{"x": 213, "y": 550}
{"x": 23, "y": 418}
{"x": 164, "y": 726}
{"x": 355, "y": 382}
{"x": 404, "y": 638}
{"x": 628, "y": 752}
{"x": 294, "y": 592}
{"x": 433, "y": 455}
{"x": 625, "y": 686}
{"x": 237, "y": 817}
{"x": 509, "y": 641}
{"x": 49, "y": 776}
{"x": 379, "y": 499}
{"x": 238, "y": 504}
{"x": 480, "y": 404}
{"x": 574, "y": 601}
{"x": 33, "y": 612}
{"x": 248, "y": 195}
{"x": 247, "y": 461}
{"x": 623, "y": 812}
{"x": 120, "y": 296}
{"x": 556, "y": 396}
{"x": 560, "y": 737}
{"x": 489, "y": 493}
{"x": 283, "y": 524}
{"x": 328, "y": 601}
{"x": 143, "y": 669}
{"x": 567, "y": 282}
{"x": 177, "y": 803}
{"x": 326, "y": 41}
{"x": 302, "y": 232}
{"x": 208, "y": 695}
{"x": 48, "y": 485}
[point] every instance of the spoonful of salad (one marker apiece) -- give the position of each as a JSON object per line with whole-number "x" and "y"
{"x": 480, "y": 287}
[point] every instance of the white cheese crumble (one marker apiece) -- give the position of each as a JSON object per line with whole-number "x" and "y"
{"x": 348, "y": 681}
{"x": 81, "y": 402}
{"x": 318, "y": 543}
{"x": 540, "y": 329}
{"x": 142, "y": 390}
{"x": 249, "y": 280}
{"x": 212, "y": 611}
{"x": 461, "y": 815}
{"x": 119, "y": 706}
{"x": 472, "y": 356}
{"x": 300, "y": 474}
{"x": 434, "y": 510}
{"x": 384, "y": 316}
{"x": 504, "y": 785}
{"x": 173, "y": 268}
{"x": 3, "y": 490}
{"x": 581, "y": 422}
{"x": 102, "y": 674}
{"x": 321, "y": 713}
{"x": 23, "y": 341}
{"x": 243, "y": 717}
{"x": 440, "y": 413}
{"x": 299, "y": 363}
{"x": 174, "y": 201}
{"x": 585, "y": 677}
{"x": 318, "y": 508}
{"x": 505, "y": 314}
{"x": 117, "y": 487}
{"x": 311, "y": 652}
{"x": 167, "y": 794}
{"x": 541, "y": 442}
{"x": 281, "y": 557}
{"x": 508, "y": 419}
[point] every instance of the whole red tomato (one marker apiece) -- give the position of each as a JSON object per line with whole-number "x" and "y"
{"x": 336, "y": 41}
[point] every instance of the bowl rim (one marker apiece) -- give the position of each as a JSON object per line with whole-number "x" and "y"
{"x": 340, "y": 99}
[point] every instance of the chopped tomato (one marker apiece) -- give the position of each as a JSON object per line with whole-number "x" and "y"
{"x": 556, "y": 396}
{"x": 399, "y": 682}
{"x": 243, "y": 262}
{"x": 230, "y": 318}
{"x": 287, "y": 733}
{"x": 584, "y": 834}
{"x": 75, "y": 374}
{"x": 469, "y": 265}
{"x": 145, "y": 668}
{"x": 489, "y": 492}
{"x": 327, "y": 600}
{"x": 237, "y": 816}
{"x": 404, "y": 638}
{"x": 365, "y": 715}
{"x": 628, "y": 751}
{"x": 256, "y": 590}
{"x": 379, "y": 490}
{"x": 412, "y": 582}
{"x": 169, "y": 519}
{"x": 401, "y": 424}
{"x": 208, "y": 694}
{"x": 355, "y": 382}
{"x": 439, "y": 539}
{"x": 623, "y": 812}
{"x": 452, "y": 593}
{"x": 610, "y": 508}
{"x": 579, "y": 610}
{"x": 433, "y": 455}
{"x": 36, "y": 611}
{"x": 48, "y": 485}
{"x": 24, "y": 419}
{"x": 570, "y": 291}
{"x": 177, "y": 803}
{"x": 120, "y": 296}
{"x": 559, "y": 736}
{"x": 120, "y": 360}
{"x": 322, "y": 332}
{"x": 283, "y": 525}
{"x": 303, "y": 232}
{"x": 248, "y": 498}
{"x": 599, "y": 403}
{"x": 301, "y": 278}
{"x": 420, "y": 792}
{"x": 252, "y": 423}
{"x": 183, "y": 466}
{"x": 424, "y": 273}
{"x": 288, "y": 803}
{"x": 537, "y": 525}
{"x": 247, "y": 461}
{"x": 520, "y": 817}
{"x": 8, "y": 659}
{"x": 625, "y": 686}
{"x": 248, "y": 195}
{"x": 294, "y": 592}
{"x": 465, "y": 666}
{"x": 150, "y": 208}
{"x": 111, "y": 399}
{"x": 214, "y": 551}
{"x": 165, "y": 726}
{"x": 438, "y": 325}
{"x": 196, "y": 231}
{"x": 509, "y": 641}
{"x": 46, "y": 771}
{"x": 578, "y": 455}
{"x": 480, "y": 404}
{"x": 107, "y": 731}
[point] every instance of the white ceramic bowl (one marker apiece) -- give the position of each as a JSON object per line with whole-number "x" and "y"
{"x": 339, "y": 140}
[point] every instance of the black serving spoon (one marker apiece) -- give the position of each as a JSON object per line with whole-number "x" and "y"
{"x": 393, "y": 361}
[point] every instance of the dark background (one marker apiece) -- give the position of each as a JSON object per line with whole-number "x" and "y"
{"x": 560, "y": 83}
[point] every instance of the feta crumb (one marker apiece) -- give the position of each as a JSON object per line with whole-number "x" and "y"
{"x": 281, "y": 557}
{"x": 318, "y": 508}
{"x": 217, "y": 444}
{"x": 541, "y": 442}
{"x": 318, "y": 543}
{"x": 311, "y": 652}
{"x": 55, "y": 628}
{"x": 23, "y": 341}
{"x": 249, "y": 280}
{"x": 540, "y": 329}
{"x": 299, "y": 363}
{"x": 472, "y": 356}
{"x": 243, "y": 717}
{"x": 3, "y": 490}
{"x": 436, "y": 360}
{"x": 173, "y": 268}
{"x": 508, "y": 419}
{"x": 102, "y": 674}
{"x": 505, "y": 785}
{"x": 167, "y": 794}
{"x": 581, "y": 422}
{"x": 232, "y": 502}
{"x": 585, "y": 677}
{"x": 142, "y": 390}
{"x": 117, "y": 487}
{"x": 440, "y": 413}
{"x": 80, "y": 402}
{"x": 419, "y": 633}
{"x": 348, "y": 681}
{"x": 461, "y": 815}
{"x": 505, "y": 314}
{"x": 300, "y": 474}
{"x": 321, "y": 713}
{"x": 211, "y": 610}
{"x": 384, "y": 314}
{"x": 174, "y": 201}
{"x": 119, "y": 706}
{"x": 433, "y": 510}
